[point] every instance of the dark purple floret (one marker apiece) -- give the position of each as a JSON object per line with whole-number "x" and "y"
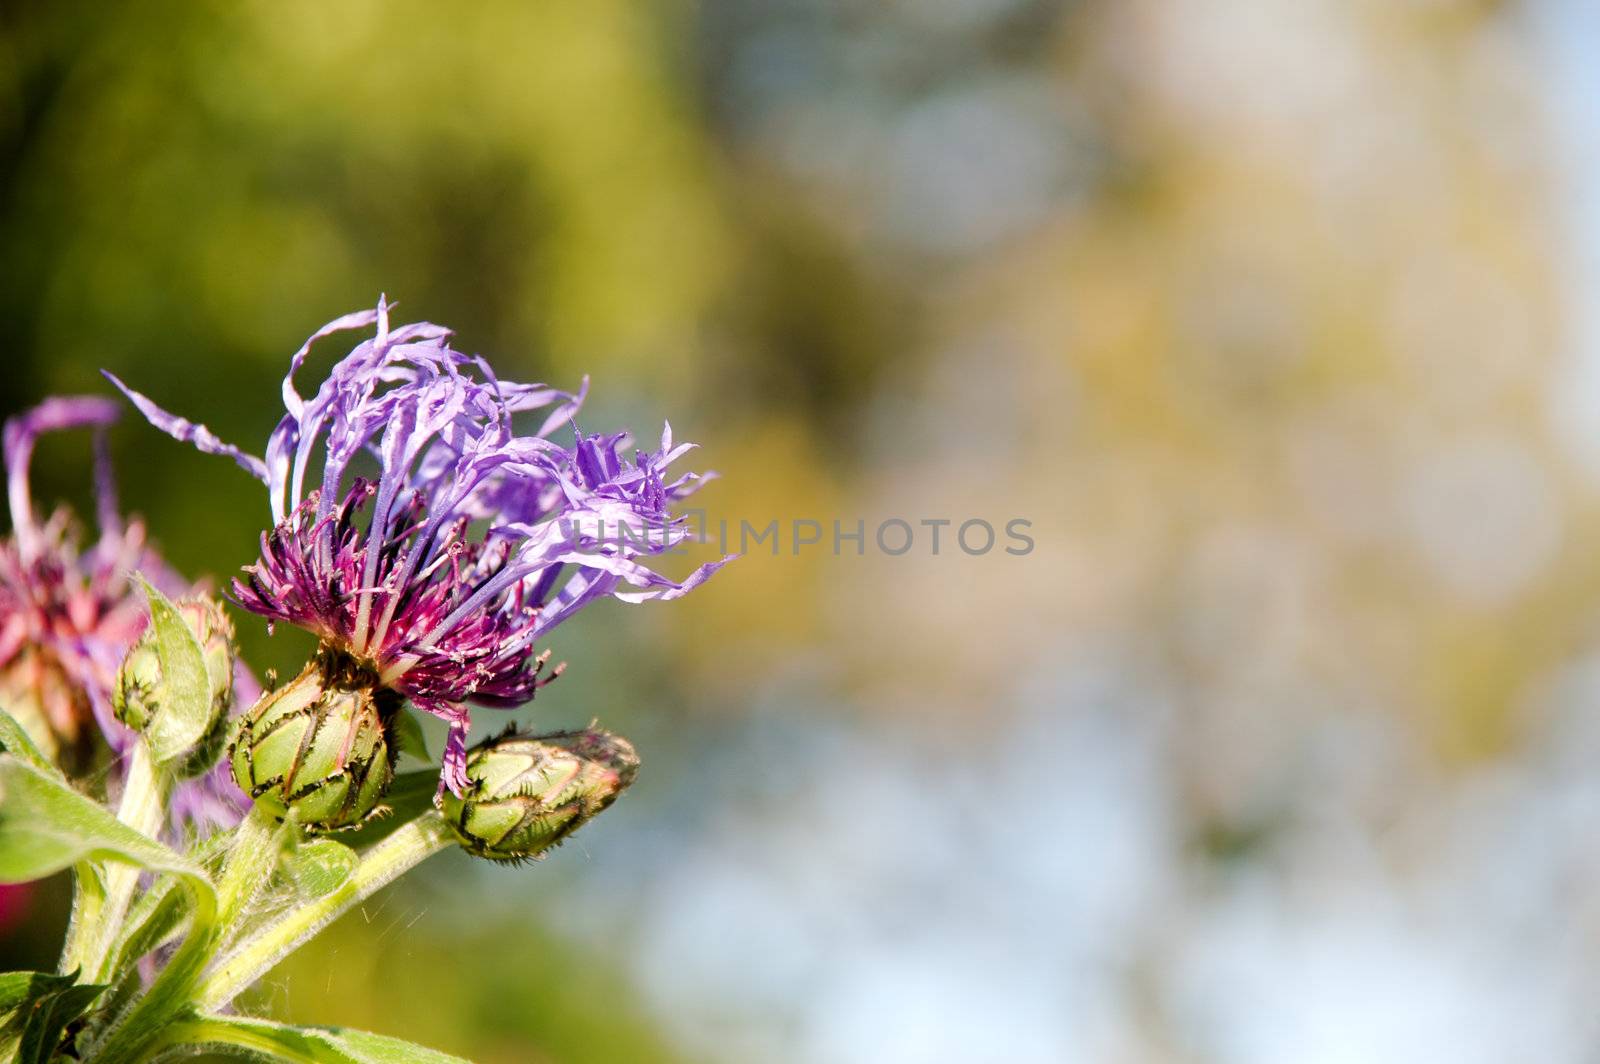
{"x": 441, "y": 572}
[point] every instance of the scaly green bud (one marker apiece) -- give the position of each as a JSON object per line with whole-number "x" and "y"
{"x": 140, "y": 693}
{"x": 526, "y": 793}
{"x": 319, "y": 748}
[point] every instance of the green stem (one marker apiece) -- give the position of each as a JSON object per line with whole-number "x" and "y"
{"x": 257, "y": 843}
{"x": 143, "y": 808}
{"x": 144, "y": 793}
{"x": 251, "y": 859}
{"x": 170, "y": 994}
{"x": 88, "y": 901}
{"x": 403, "y": 850}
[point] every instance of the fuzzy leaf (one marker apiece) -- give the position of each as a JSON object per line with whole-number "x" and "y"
{"x": 320, "y": 866}
{"x": 46, "y": 826}
{"x": 19, "y": 987}
{"x": 14, "y": 740}
{"x": 186, "y": 699}
{"x": 321, "y": 1045}
{"x": 363, "y": 1048}
{"x": 41, "y": 1006}
{"x": 154, "y": 917}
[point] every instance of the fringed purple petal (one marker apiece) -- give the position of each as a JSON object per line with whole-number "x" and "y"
{"x": 453, "y": 762}
{"x": 665, "y": 590}
{"x": 186, "y": 431}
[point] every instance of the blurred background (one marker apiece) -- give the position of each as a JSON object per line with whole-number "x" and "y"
{"x": 1275, "y": 321}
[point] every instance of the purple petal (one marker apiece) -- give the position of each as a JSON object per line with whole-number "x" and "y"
{"x": 185, "y": 431}
{"x": 23, "y": 431}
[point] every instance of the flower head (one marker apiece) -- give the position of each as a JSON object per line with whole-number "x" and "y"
{"x": 318, "y": 748}
{"x": 70, "y": 613}
{"x": 527, "y": 793}
{"x": 439, "y": 572}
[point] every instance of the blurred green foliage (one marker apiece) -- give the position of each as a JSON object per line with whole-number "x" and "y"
{"x": 497, "y": 990}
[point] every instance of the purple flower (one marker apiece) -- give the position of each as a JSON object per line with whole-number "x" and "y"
{"x": 438, "y": 575}
{"x": 68, "y": 614}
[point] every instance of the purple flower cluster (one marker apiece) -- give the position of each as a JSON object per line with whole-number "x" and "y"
{"x": 466, "y": 541}
{"x": 69, "y": 614}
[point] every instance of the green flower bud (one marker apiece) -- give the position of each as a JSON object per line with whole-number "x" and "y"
{"x": 139, "y": 694}
{"x": 319, "y": 749}
{"x": 135, "y": 699}
{"x": 526, "y": 793}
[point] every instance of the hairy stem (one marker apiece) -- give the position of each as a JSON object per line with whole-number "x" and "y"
{"x": 169, "y": 996}
{"x": 403, "y": 850}
{"x": 252, "y": 856}
{"x": 88, "y": 901}
{"x": 257, "y": 844}
{"x": 143, "y": 808}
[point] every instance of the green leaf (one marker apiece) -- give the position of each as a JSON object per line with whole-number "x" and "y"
{"x": 40, "y": 1005}
{"x": 409, "y": 735}
{"x": 377, "y": 1049}
{"x": 305, "y": 1045}
{"x": 14, "y": 740}
{"x": 158, "y": 912}
{"x": 46, "y": 1019}
{"x": 320, "y": 866}
{"x": 148, "y": 926}
{"x": 16, "y": 988}
{"x": 153, "y": 919}
{"x": 46, "y": 826}
{"x": 185, "y": 715}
